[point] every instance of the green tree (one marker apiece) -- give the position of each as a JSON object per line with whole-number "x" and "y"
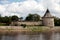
{"x": 5, "y": 20}
{"x": 14, "y": 18}
{"x": 0, "y": 18}
{"x": 57, "y": 21}
{"x": 21, "y": 18}
{"x": 33, "y": 17}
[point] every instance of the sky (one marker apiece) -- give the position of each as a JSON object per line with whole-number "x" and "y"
{"x": 22, "y": 8}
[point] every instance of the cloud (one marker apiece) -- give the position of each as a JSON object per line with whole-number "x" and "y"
{"x": 2, "y": 8}
{"x": 54, "y": 4}
{"x": 30, "y": 6}
{"x": 4, "y": 1}
{"x": 54, "y": 7}
{"x": 21, "y": 8}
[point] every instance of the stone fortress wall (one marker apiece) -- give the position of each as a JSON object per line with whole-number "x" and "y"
{"x": 28, "y": 23}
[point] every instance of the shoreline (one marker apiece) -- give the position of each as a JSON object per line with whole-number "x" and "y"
{"x": 13, "y": 30}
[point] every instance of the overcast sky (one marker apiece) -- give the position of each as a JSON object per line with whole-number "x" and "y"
{"x": 24, "y": 7}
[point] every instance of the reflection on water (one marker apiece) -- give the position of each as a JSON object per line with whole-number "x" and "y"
{"x": 8, "y": 38}
{"x": 41, "y": 36}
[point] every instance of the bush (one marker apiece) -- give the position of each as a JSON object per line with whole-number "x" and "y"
{"x": 16, "y": 25}
{"x": 24, "y": 25}
{"x": 3, "y": 24}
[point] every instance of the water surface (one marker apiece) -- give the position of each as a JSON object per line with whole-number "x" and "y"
{"x": 41, "y": 36}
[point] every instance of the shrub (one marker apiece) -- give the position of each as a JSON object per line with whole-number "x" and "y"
{"x": 24, "y": 25}
{"x": 16, "y": 25}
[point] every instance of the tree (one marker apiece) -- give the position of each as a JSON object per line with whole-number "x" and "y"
{"x": 5, "y": 20}
{"x": 14, "y": 18}
{"x": 21, "y": 18}
{"x": 0, "y": 18}
{"x": 33, "y": 17}
{"x": 57, "y": 21}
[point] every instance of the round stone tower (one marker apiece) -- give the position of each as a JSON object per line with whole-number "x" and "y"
{"x": 48, "y": 19}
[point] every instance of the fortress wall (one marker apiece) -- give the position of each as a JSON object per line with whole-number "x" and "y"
{"x": 31, "y": 23}
{"x": 28, "y": 23}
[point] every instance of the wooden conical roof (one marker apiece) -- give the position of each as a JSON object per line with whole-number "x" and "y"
{"x": 47, "y": 14}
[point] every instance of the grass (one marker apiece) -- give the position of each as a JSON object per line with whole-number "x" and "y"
{"x": 39, "y": 28}
{"x": 27, "y": 29}
{"x": 2, "y": 24}
{"x": 32, "y": 28}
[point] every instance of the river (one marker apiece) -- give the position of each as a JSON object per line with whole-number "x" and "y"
{"x": 41, "y": 36}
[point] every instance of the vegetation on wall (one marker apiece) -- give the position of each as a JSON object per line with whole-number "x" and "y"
{"x": 23, "y": 25}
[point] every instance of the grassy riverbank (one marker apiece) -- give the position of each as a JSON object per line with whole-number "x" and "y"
{"x": 28, "y": 30}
